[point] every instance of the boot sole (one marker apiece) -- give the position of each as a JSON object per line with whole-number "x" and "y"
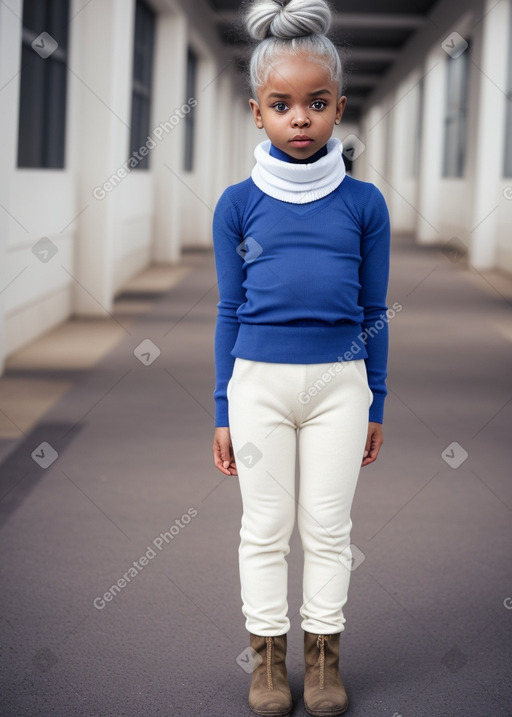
{"x": 325, "y": 714}
{"x": 266, "y": 713}
{"x": 272, "y": 714}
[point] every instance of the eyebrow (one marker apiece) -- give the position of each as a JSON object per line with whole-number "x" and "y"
{"x": 285, "y": 96}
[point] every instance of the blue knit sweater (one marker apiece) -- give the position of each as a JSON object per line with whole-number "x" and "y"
{"x": 302, "y": 283}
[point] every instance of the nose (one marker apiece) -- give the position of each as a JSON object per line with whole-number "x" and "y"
{"x": 300, "y": 119}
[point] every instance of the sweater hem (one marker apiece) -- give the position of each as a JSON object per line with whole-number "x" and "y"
{"x": 299, "y": 344}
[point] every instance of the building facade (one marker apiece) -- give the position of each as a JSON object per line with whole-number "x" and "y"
{"x": 122, "y": 121}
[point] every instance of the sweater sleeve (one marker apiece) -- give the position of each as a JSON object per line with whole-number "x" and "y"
{"x": 374, "y": 277}
{"x": 227, "y": 237}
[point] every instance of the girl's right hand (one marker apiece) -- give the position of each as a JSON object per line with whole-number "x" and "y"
{"x": 223, "y": 451}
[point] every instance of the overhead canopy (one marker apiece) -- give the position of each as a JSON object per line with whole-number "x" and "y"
{"x": 369, "y": 34}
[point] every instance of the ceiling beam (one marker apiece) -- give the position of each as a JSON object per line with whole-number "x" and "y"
{"x": 348, "y": 20}
{"x": 373, "y": 54}
{"x": 355, "y": 79}
{"x": 370, "y": 54}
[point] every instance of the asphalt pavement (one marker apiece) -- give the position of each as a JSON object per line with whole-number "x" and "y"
{"x": 119, "y": 539}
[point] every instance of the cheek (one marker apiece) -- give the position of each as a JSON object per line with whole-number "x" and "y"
{"x": 271, "y": 120}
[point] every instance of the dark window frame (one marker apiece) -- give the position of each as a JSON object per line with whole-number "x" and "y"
{"x": 507, "y": 158}
{"x": 42, "y": 106}
{"x": 190, "y": 119}
{"x": 142, "y": 80}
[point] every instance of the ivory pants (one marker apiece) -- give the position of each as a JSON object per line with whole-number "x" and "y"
{"x": 323, "y": 406}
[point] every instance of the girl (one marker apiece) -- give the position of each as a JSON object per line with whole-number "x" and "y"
{"x": 301, "y": 343}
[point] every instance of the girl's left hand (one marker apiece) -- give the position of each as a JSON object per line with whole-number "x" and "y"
{"x": 374, "y": 441}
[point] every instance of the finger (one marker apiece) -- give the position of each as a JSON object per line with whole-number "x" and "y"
{"x": 220, "y": 464}
{"x": 232, "y": 464}
{"x": 226, "y": 455}
{"x": 368, "y": 452}
{"x": 373, "y": 453}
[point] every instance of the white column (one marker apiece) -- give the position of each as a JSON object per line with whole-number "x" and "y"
{"x": 362, "y": 170}
{"x": 170, "y": 68}
{"x": 403, "y": 204}
{"x": 489, "y": 136}
{"x": 431, "y": 157}
{"x": 226, "y": 151}
{"x": 102, "y": 70}
{"x": 207, "y": 145}
{"x": 10, "y": 43}
{"x": 376, "y": 138}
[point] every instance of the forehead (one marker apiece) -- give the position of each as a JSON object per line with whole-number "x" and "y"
{"x": 297, "y": 74}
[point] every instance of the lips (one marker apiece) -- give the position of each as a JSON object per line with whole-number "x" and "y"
{"x": 301, "y": 141}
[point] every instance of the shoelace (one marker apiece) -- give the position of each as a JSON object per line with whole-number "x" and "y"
{"x": 270, "y": 643}
{"x": 320, "y": 643}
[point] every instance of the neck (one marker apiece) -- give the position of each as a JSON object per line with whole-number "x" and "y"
{"x": 282, "y": 177}
{"x": 279, "y": 154}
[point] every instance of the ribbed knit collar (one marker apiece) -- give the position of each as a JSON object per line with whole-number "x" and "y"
{"x": 298, "y": 183}
{"x": 279, "y": 154}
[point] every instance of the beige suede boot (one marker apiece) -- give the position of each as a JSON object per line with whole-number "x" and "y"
{"x": 270, "y": 693}
{"x": 324, "y": 694}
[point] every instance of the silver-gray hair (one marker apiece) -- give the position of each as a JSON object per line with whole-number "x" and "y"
{"x": 294, "y": 27}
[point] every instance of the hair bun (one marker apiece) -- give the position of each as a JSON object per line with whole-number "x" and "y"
{"x": 286, "y": 20}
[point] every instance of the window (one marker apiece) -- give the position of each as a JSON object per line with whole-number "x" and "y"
{"x": 43, "y": 84}
{"x": 142, "y": 78}
{"x": 508, "y": 122}
{"x": 188, "y": 163}
{"x": 455, "y": 131}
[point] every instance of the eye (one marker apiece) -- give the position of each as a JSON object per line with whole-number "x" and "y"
{"x": 280, "y": 106}
{"x": 319, "y": 104}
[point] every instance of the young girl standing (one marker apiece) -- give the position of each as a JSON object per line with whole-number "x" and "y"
{"x": 301, "y": 343}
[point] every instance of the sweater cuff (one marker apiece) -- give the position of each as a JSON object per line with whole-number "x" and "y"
{"x": 221, "y": 412}
{"x": 377, "y": 408}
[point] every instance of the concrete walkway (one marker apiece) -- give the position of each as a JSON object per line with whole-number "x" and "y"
{"x": 119, "y": 565}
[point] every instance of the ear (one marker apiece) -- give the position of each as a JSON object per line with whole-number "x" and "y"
{"x": 256, "y": 113}
{"x": 340, "y": 108}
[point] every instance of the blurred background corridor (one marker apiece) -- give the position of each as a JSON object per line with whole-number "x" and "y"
{"x": 121, "y": 123}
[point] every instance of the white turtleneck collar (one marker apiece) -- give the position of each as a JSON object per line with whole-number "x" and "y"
{"x": 298, "y": 183}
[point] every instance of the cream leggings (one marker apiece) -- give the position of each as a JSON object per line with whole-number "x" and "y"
{"x": 328, "y": 403}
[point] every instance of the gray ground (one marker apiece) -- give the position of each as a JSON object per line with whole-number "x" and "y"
{"x": 428, "y": 630}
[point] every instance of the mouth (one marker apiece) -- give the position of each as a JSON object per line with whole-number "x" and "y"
{"x": 301, "y": 141}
